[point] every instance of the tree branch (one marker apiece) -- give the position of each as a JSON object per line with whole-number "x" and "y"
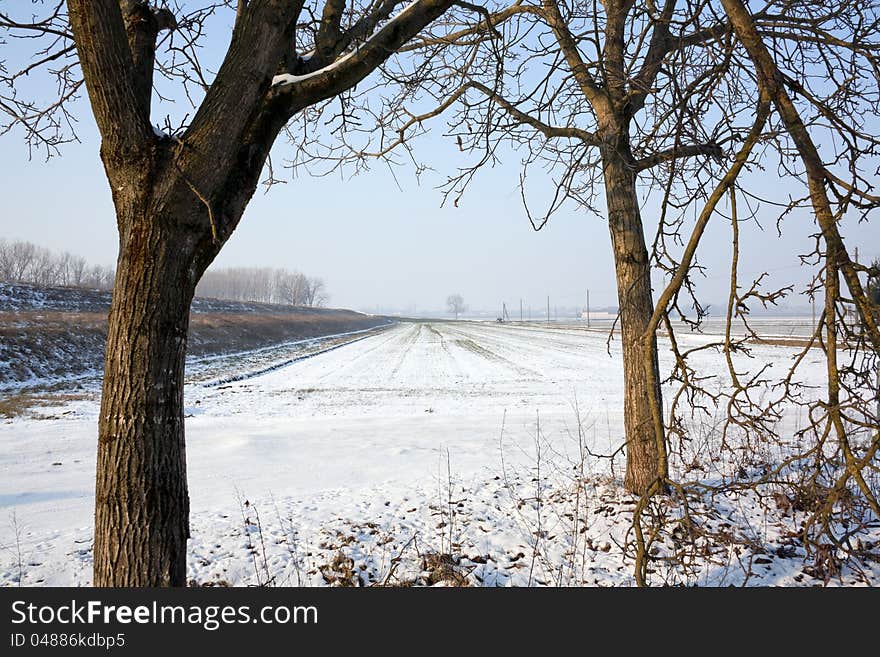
{"x": 142, "y": 25}
{"x": 713, "y": 150}
{"x": 770, "y": 79}
{"x": 660, "y": 45}
{"x": 290, "y": 94}
{"x": 350, "y": 69}
{"x": 569, "y": 48}
{"x": 488, "y": 25}
{"x": 329, "y": 35}
{"x": 550, "y": 132}
{"x": 108, "y": 69}
{"x": 259, "y": 42}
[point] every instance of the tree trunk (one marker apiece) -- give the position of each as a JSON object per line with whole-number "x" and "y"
{"x": 141, "y": 498}
{"x": 178, "y": 199}
{"x": 633, "y": 273}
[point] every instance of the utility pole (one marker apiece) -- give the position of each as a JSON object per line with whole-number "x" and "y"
{"x": 852, "y": 308}
{"x": 588, "y": 308}
{"x": 813, "y": 305}
{"x": 520, "y": 312}
{"x": 548, "y": 308}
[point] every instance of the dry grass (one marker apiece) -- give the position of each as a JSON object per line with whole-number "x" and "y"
{"x": 28, "y": 404}
{"x": 14, "y": 406}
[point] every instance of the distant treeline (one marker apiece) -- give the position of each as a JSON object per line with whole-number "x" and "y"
{"x": 24, "y": 262}
{"x": 264, "y": 284}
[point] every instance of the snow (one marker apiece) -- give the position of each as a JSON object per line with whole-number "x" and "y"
{"x": 286, "y": 79}
{"x": 268, "y": 359}
{"x": 415, "y": 440}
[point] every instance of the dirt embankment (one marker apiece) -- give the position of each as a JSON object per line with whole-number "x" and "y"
{"x": 48, "y": 334}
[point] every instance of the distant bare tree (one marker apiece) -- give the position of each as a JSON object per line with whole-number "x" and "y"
{"x": 63, "y": 269}
{"x": 45, "y": 267}
{"x": 98, "y": 278}
{"x": 22, "y": 256}
{"x": 7, "y": 261}
{"x": 76, "y": 268}
{"x": 25, "y": 262}
{"x": 263, "y": 284}
{"x": 290, "y": 287}
{"x": 455, "y": 305}
{"x": 317, "y": 295}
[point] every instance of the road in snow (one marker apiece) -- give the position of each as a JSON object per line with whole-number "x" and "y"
{"x": 373, "y": 418}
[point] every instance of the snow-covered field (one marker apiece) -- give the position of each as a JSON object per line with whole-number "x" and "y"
{"x": 364, "y": 462}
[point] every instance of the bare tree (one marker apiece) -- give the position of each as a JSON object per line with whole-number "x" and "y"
{"x": 6, "y": 266}
{"x": 771, "y": 79}
{"x": 45, "y": 267}
{"x": 7, "y": 261}
{"x": 263, "y": 284}
{"x": 77, "y": 270}
{"x": 616, "y": 95}
{"x": 817, "y": 66}
{"x": 22, "y": 257}
{"x": 25, "y": 262}
{"x": 179, "y": 193}
{"x": 837, "y": 262}
{"x": 455, "y": 305}
{"x": 63, "y": 269}
{"x": 291, "y": 287}
{"x": 317, "y": 294}
{"x": 605, "y": 97}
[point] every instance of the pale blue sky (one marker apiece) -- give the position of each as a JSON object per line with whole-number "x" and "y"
{"x": 376, "y": 245}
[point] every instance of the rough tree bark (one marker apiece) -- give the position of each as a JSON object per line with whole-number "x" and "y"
{"x": 633, "y": 273}
{"x": 141, "y": 500}
{"x": 177, "y": 201}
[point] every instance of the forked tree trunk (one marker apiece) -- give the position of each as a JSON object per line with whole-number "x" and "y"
{"x": 142, "y": 503}
{"x": 633, "y": 274}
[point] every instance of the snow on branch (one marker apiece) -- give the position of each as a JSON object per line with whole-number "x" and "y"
{"x": 288, "y": 79}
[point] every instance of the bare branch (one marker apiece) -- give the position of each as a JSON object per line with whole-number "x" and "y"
{"x": 712, "y": 150}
